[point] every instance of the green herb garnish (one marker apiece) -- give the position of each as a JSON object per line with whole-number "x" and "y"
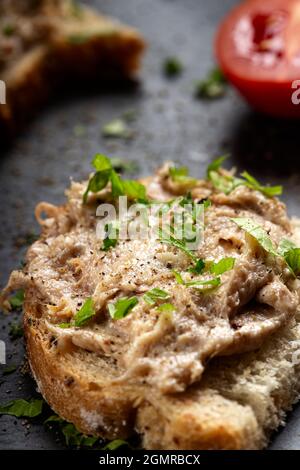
{"x": 285, "y": 246}
{"x": 9, "y": 370}
{"x": 22, "y": 409}
{"x": 122, "y": 307}
{"x": 16, "y": 300}
{"x": 153, "y": 295}
{"x": 171, "y": 240}
{"x": 292, "y": 258}
{"x": 72, "y": 436}
{"x": 226, "y": 183}
{"x": 119, "y": 187}
{"x": 257, "y": 232}
{"x": 181, "y": 176}
{"x": 167, "y": 307}
{"x": 117, "y": 129}
{"x": 172, "y": 67}
{"x": 198, "y": 268}
{"x": 85, "y": 314}
{"x": 269, "y": 191}
{"x": 16, "y": 331}
{"x": 111, "y": 237}
{"x": 225, "y": 264}
{"x": 213, "y": 86}
{"x": 116, "y": 444}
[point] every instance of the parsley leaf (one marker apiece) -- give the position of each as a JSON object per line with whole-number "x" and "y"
{"x": 86, "y": 312}
{"x": 75, "y": 438}
{"x": 170, "y": 240}
{"x": 268, "y": 191}
{"x": 122, "y": 307}
{"x": 97, "y": 182}
{"x": 181, "y": 176}
{"x": 101, "y": 162}
{"x": 105, "y": 174}
{"x": 216, "y": 164}
{"x": 292, "y": 257}
{"x": 22, "y": 408}
{"x": 198, "y": 268}
{"x": 118, "y": 129}
{"x": 9, "y": 370}
{"x": 172, "y": 67}
{"x": 285, "y": 246}
{"x": 227, "y": 183}
{"x": 116, "y": 444}
{"x": 16, "y": 331}
{"x": 225, "y": 264}
{"x": 155, "y": 294}
{"x": 213, "y": 86}
{"x": 257, "y": 232}
{"x": 178, "y": 277}
{"x": 109, "y": 241}
{"x": 16, "y": 301}
{"x": 214, "y": 282}
{"x": 167, "y": 307}
{"x": 72, "y": 436}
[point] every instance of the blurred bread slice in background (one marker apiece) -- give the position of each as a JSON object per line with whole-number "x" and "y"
{"x": 44, "y": 43}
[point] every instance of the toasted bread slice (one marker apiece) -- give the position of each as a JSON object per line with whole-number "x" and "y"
{"x": 52, "y": 42}
{"x": 237, "y": 405}
{"x": 83, "y": 373}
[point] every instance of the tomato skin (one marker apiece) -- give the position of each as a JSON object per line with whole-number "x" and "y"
{"x": 268, "y": 88}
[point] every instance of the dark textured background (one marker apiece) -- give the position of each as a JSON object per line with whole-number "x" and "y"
{"x": 170, "y": 124}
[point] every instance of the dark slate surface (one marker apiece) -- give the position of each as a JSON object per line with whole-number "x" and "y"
{"x": 170, "y": 124}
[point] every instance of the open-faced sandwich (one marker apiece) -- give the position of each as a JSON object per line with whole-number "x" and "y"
{"x": 46, "y": 42}
{"x": 192, "y": 348}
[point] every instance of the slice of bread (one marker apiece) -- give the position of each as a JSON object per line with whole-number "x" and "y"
{"x": 73, "y": 46}
{"x": 237, "y": 404}
{"x": 81, "y": 372}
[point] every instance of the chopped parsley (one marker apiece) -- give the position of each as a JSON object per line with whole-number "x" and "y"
{"x": 85, "y": 314}
{"x": 115, "y": 444}
{"x": 172, "y": 67}
{"x": 22, "y": 409}
{"x": 181, "y": 176}
{"x": 16, "y": 300}
{"x": 122, "y": 307}
{"x": 252, "y": 183}
{"x": 292, "y": 258}
{"x": 117, "y": 129}
{"x": 285, "y": 246}
{"x": 9, "y": 370}
{"x": 111, "y": 237}
{"x": 119, "y": 187}
{"x": 213, "y": 86}
{"x": 16, "y": 331}
{"x": 72, "y": 436}
{"x": 257, "y": 232}
{"x": 226, "y": 183}
{"x": 171, "y": 240}
{"x": 209, "y": 283}
{"x": 198, "y": 268}
{"x": 222, "y": 266}
{"x": 153, "y": 295}
{"x": 167, "y": 307}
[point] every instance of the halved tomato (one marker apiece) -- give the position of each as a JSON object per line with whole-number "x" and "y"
{"x": 258, "y": 50}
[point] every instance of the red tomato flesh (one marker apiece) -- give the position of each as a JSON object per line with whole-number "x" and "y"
{"x": 258, "y": 49}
